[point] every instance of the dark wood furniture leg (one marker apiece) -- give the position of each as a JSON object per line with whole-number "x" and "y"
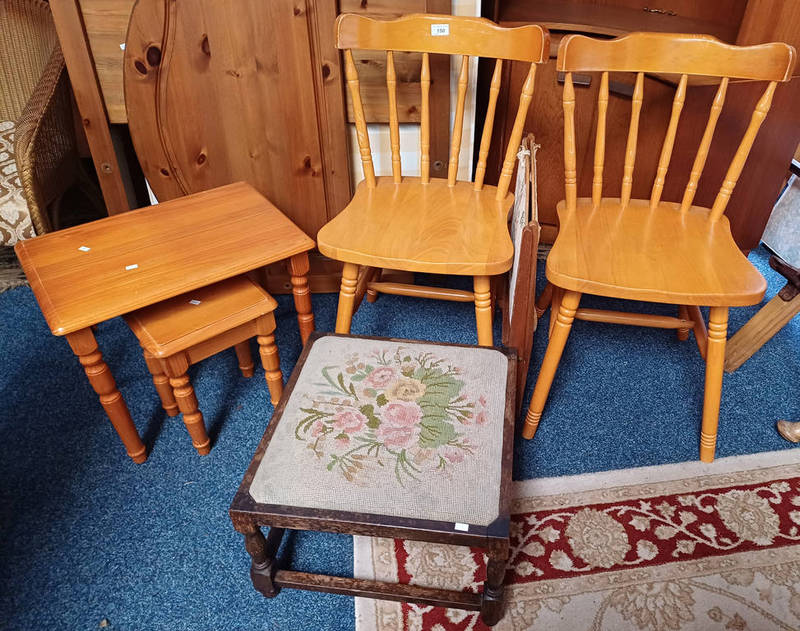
{"x": 492, "y": 600}
{"x": 298, "y": 270}
{"x": 84, "y": 345}
{"x": 161, "y": 382}
{"x": 262, "y": 553}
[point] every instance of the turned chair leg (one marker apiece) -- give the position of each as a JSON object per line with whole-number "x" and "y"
{"x": 555, "y": 304}
{"x": 372, "y": 295}
{"x": 245, "y": 358}
{"x": 176, "y": 366}
{"x": 683, "y": 313}
{"x": 715, "y": 361}
{"x": 161, "y": 382}
{"x": 483, "y": 309}
{"x": 347, "y": 293}
{"x": 544, "y": 300}
{"x": 492, "y": 598}
{"x": 265, "y": 327}
{"x": 555, "y": 347}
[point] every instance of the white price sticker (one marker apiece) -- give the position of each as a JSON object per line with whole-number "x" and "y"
{"x": 461, "y": 527}
{"x": 194, "y": 302}
{"x": 438, "y": 30}
{"x": 83, "y": 248}
{"x": 130, "y": 267}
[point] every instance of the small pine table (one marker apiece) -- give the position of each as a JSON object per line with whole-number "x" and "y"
{"x": 386, "y": 438}
{"x": 96, "y": 271}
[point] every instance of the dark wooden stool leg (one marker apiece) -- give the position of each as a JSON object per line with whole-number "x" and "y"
{"x": 492, "y": 603}
{"x": 298, "y": 271}
{"x": 176, "y": 367}
{"x": 245, "y": 358}
{"x": 262, "y": 554}
{"x": 161, "y": 382}
{"x": 265, "y": 327}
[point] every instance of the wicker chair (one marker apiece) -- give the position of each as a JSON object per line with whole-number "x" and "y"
{"x": 36, "y": 111}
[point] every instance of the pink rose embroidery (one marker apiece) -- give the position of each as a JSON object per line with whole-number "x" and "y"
{"x": 317, "y": 427}
{"x": 454, "y": 455}
{"x": 482, "y": 400}
{"x": 481, "y": 418}
{"x": 342, "y": 441}
{"x": 349, "y": 421}
{"x": 399, "y": 423}
{"x": 381, "y": 377}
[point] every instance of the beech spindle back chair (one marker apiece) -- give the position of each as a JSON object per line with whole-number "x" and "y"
{"x": 419, "y": 224}
{"x": 652, "y": 250}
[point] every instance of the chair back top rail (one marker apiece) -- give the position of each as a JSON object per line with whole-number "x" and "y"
{"x": 670, "y": 54}
{"x": 445, "y": 34}
{"x": 676, "y": 53}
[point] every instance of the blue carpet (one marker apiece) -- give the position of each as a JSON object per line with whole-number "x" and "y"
{"x": 87, "y": 535}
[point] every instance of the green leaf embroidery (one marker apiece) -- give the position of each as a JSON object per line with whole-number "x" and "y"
{"x": 435, "y": 433}
{"x": 381, "y": 400}
{"x": 368, "y": 410}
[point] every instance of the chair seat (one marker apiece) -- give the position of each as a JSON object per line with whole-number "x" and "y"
{"x": 422, "y": 228}
{"x": 179, "y": 323}
{"x": 657, "y": 255}
{"x": 389, "y": 427}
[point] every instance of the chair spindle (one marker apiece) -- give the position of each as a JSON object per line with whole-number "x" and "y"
{"x": 458, "y": 122}
{"x": 425, "y": 121}
{"x": 516, "y": 134}
{"x": 570, "y": 171}
{"x": 669, "y": 142}
{"x": 351, "y": 75}
{"x": 600, "y": 141}
{"x": 488, "y": 125}
{"x": 705, "y": 143}
{"x": 394, "y": 128}
{"x": 737, "y": 164}
{"x": 633, "y": 134}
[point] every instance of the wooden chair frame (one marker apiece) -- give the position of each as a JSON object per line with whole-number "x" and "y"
{"x": 663, "y": 54}
{"x": 432, "y": 34}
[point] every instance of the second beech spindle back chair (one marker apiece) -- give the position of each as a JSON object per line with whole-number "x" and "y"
{"x": 420, "y": 224}
{"x": 654, "y": 250}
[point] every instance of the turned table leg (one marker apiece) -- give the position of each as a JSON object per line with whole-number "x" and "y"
{"x": 84, "y": 345}
{"x": 265, "y": 328}
{"x": 161, "y": 382}
{"x": 298, "y": 271}
{"x": 176, "y": 366}
{"x": 245, "y": 358}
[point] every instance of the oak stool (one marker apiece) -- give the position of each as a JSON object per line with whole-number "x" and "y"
{"x": 386, "y": 438}
{"x": 186, "y": 329}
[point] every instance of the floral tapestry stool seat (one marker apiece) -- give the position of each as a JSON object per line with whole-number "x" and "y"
{"x": 386, "y": 438}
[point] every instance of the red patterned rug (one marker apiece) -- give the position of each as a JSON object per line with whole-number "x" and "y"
{"x": 676, "y": 547}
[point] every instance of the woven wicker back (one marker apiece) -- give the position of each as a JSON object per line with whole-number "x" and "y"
{"x": 27, "y": 40}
